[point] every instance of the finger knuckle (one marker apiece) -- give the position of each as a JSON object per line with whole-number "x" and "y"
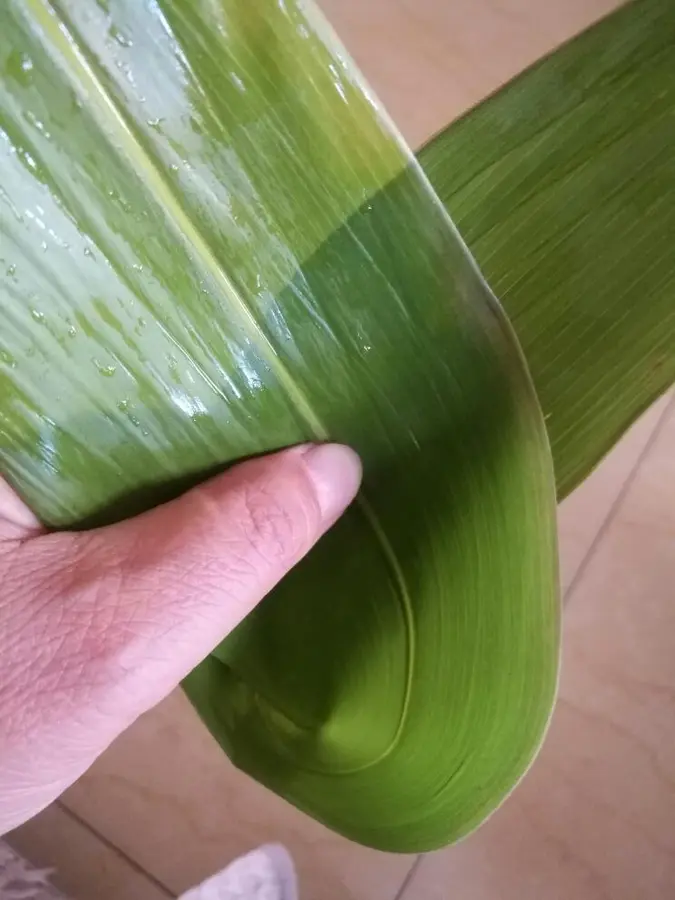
{"x": 274, "y": 529}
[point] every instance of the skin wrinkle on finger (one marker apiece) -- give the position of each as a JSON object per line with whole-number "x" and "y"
{"x": 272, "y": 529}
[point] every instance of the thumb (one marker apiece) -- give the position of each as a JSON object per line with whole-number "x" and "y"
{"x": 97, "y": 627}
{"x": 165, "y": 588}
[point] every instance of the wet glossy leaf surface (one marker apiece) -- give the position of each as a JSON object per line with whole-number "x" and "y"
{"x": 213, "y": 245}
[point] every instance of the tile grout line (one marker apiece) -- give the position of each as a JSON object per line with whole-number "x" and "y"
{"x": 412, "y": 871}
{"x": 618, "y": 501}
{"x": 137, "y": 867}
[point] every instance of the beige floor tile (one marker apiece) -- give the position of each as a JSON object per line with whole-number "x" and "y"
{"x": 166, "y": 794}
{"x": 430, "y": 60}
{"x": 595, "y": 818}
{"x": 87, "y": 869}
{"x": 582, "y": 514}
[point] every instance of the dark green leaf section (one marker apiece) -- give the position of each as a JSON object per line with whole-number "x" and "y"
{"x": 306, "y": 684}
{"x": 212, "y": 245}
{"x": 563, "y": 185}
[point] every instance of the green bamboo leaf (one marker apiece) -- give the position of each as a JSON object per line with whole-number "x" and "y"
{"x": 213, "y": 244}
{"x": 563, "y": 185}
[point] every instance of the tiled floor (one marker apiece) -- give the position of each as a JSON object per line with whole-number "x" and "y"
{"x": 595, "y": 818}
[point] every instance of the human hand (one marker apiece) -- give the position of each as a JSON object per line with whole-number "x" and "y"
{"x": 97, "y": 627}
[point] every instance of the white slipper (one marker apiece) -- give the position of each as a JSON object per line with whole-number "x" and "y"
{"x": 21, "y": 881}
{"x": 267, "y": 873}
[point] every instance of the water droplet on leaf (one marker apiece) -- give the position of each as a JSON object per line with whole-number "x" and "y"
{"x": 106, "y": 370}
{"x": 119, "y": 38}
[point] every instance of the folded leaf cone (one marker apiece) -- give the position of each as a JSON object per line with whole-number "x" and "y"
{"x": 215, "y": 244}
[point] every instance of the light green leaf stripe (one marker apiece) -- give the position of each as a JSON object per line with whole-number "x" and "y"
{"x": 213, "y": 244}
{"x": 563, "y": 185}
